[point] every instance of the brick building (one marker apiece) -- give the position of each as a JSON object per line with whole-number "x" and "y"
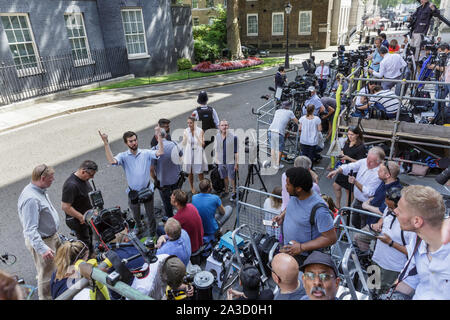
{"x": 203, "y": 10}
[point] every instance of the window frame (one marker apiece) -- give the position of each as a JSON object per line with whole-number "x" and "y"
{"x": 303, "y": 33}
{"x": 208, "y": 2}
{"x": 198, "y": 20}
{"x": 257, "y": 24}
{"x": 88, "y": 60}
{"x": 192, "y": 4}
{"x": 277, "y": 33}
{"x": 140, "y": 55}
{"x": 31, "y": 70}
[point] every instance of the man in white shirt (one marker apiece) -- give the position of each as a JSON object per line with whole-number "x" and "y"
{"x": 322, "y": 72}
{"x": 366, "y": 181}
{"x": 277, "y": 130}
{"x": 390, "y": 68}
{"x": 426, "y": 275}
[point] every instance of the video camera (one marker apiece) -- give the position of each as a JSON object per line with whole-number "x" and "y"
{"x": 346, "y": 59}
{"x": 105, "y": 222}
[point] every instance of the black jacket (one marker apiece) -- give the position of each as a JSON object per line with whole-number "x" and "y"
{"x": 423, "y": 16}
{"x": 280, "y": 79}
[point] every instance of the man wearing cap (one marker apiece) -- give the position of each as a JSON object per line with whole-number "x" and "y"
{"x": 320, "y": 277}
{"x": 285, "y": 273}
{"x": 250, "y": 280}
{"x": 315, "y": 100}
{"x": 277, "y": 130}
{"x": 172, "y": 273}
{"x": 75, "y": 201}
{"x": 209, "y": 119}
{"x": 40, "y": 222}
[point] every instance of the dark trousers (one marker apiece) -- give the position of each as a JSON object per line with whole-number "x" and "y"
{"x": 83, "y": 231}
{"x": 165, "y": 194}
{"x": 136, "y": 210}
{"x": 358, "y": 220}
{"x": 309, "y": 151}
{"x": 322, "y": 86}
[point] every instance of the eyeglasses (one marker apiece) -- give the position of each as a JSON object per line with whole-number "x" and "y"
{"x": 322, "y": 276}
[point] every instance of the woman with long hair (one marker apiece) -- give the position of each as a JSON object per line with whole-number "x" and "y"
{"x": 354, "y": 150}
{"x": 194, "y": 158}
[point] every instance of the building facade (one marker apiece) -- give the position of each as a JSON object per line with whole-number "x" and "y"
{"x": 203, "y": 11}
{"x": 263, "y": 23}
{"x": 154, "y": 33}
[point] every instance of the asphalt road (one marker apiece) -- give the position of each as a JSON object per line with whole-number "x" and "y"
{"x": 66, "y": 141}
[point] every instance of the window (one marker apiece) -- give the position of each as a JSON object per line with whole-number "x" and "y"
{"x": 196, "y": 21}
{"x": 304, "y": 23}
{"x": 209, "y": 3}
{"x": 252, "y": 24}
{"x": 194, "y": 4}
{"x": 133, "y": 25}
{"x": 225, "y": 2}
{"x": 76, "y": 33}
{"x": 277, "y": 23}
{"x": 21, "y": 43}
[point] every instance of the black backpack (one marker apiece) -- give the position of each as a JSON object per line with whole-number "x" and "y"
{"x": 206, "y": 117}
{"x": 217, "y": 182}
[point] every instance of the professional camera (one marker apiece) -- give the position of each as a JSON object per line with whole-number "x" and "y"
{"x": 220, "y": 254}
{"x": 105, "y": 222}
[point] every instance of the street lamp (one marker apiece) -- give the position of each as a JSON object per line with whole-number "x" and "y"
{"x": 288, "y": 9}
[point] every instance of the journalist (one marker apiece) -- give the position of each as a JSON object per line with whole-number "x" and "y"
{"x": 440, "y": 67}
{"x": 376, "y": 57}
{"x": 163, "y": 124}
{"x": 391, "y": 68}
{"x": 176, "y": 241}
{"x": 386, "y": 101}
{"x": 75, "y": 201}
{"x": 280, "y": 78}
{"x": 166, "y": 171}
{"x": 173, "y": 272}
{"x": 420, "y": 21}
{"x": 314, "y": 99}
{"x": 40, "y": 222}
{"x": 136, "y": 163}
{"x": 250, "y": 280}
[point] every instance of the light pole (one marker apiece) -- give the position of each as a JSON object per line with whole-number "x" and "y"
{"x": 288, "y": 9}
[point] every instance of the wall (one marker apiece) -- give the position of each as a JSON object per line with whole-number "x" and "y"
{"x": 182, "y": 26}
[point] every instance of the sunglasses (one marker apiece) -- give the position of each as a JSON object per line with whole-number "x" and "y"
{"x": 322, "y": 276}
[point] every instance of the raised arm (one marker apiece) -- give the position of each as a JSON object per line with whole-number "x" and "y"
{"x": 108, "y": 152}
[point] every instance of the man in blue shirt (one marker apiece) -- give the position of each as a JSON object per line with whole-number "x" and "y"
{"x": 165, "y": 171}
{"x": 376, "y": 57}
{"x": 388, "y": 174}
{"x": 315, "y": 100}
{"x": 299, "y": 236}
{"x": 207, "y": 205}
{"x": 136, "y": 163}
{"x": 176, "y": 241}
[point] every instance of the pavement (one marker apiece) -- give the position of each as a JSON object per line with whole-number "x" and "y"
{"x": 34, "y": 110}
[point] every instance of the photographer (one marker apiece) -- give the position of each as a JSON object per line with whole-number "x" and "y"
{"x": 314, "y": 99}
{"x": 322, "y": 73}
{"x": 340, "y": 79}
{"x": 280, "y": 78}
{"x": 385, "y": 101}
{"x": 163, "y": 124}
{"x": 420, "y": 21}
{"x": 176, "y": 241}
{"x": 362, "y": 102}
{"x": 376, "y": 57}
{"x": 250, "y": 280}
{"x": 173, "y": 273}
{"x": 442, "y": 72}
{"x": 166, "y": 171}
{"x": 75, "y": 201}
{"x": 136, "y": 163}
{"x": 390, "y": 68}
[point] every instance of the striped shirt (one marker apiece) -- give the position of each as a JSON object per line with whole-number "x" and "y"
{"x": 387, "y": 99}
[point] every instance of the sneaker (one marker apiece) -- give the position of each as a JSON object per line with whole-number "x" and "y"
{"x": 233, "y": 196}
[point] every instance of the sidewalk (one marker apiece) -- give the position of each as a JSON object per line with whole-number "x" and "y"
{"x": 34, "y": 110}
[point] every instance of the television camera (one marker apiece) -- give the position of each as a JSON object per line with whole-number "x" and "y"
{"x": 344, "y": 60}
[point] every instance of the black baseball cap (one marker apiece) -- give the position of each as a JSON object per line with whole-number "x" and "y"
{"x": 317, "y": 257}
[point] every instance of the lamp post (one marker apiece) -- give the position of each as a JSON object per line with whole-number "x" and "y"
{"x": 288, "y": 9}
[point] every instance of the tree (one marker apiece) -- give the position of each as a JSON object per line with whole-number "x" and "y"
{"x": 233, "y": 38}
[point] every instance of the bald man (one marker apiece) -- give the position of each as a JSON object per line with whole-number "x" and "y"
{"x": 285, "y": 273}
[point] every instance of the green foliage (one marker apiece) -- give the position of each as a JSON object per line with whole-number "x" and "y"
{"x": 184, "y": 64}
{"x": 210, "y": 40}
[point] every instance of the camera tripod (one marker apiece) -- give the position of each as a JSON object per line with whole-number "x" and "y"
{"x": 253, "y": 169}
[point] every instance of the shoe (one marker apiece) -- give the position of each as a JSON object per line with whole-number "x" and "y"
{"x": 233, "y": 196}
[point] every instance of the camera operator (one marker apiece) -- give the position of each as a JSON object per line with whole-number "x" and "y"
{"x": 163, "y": 124}
{"x": 40, "y": 222}
{"x": 277, "y": 130}
{"x": 362, "y": 102}
{"x": 166, "y": 171}
{"x": 441, "y": 68}
{"x": 322, "y": 73}
{"x": 280, "y": 78}
{"x": 426, "y": 274}
{"x": 136, "y": 163}
{"x": 385, "y": 101}
{"x": 299, "y": 236}
{"x": 173, "y": 273}
{"x": 376, "y": 57}
{"x": 314, "y": 99}
{"x": 250, "y": 280}
{"x": 340, "y": 79}
{"x": 390, "y": 68}
{"x": 75, "y": 201}
{"x": 420, "y": 20}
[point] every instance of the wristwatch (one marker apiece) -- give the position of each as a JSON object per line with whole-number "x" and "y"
{"x": 391, "y": 244}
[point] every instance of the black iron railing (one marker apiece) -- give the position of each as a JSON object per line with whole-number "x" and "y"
{"x": 61, "y": 72}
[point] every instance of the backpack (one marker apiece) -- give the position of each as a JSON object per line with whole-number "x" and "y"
{"x": 312, "y": 216}
{"x": 206, "y": 117}
{"x": 217, "y": 182}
